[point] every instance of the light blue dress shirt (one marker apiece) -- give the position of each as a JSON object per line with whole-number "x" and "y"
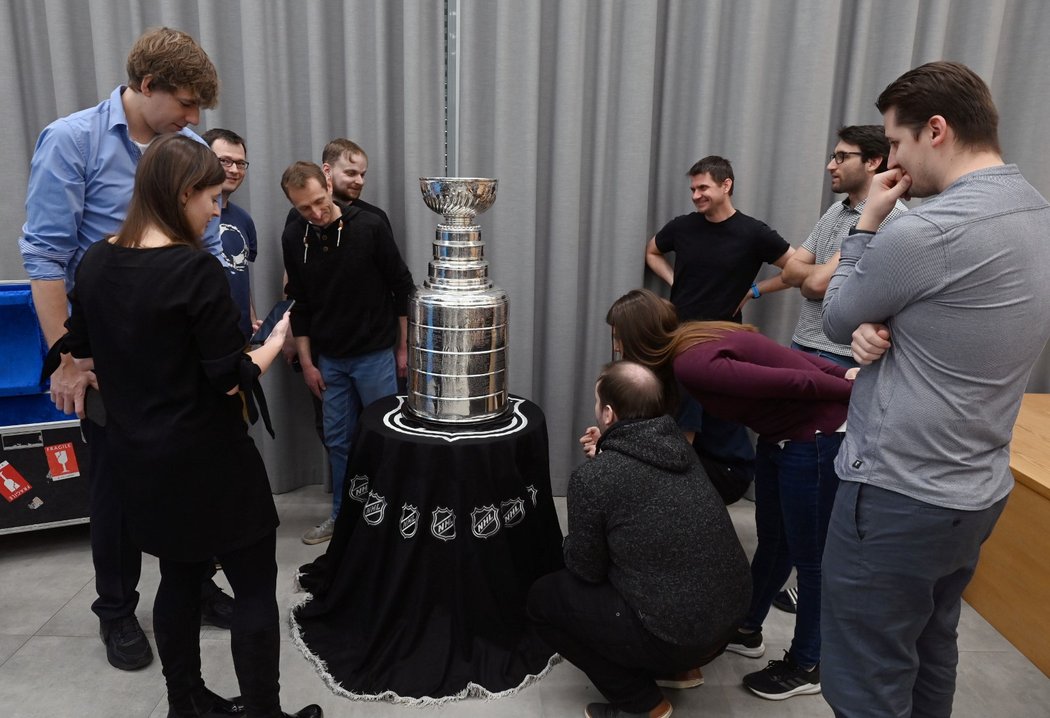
{"x": 80, "y": 184}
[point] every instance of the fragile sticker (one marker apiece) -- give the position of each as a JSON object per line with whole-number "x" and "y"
{"x": 12, "y": 483}
{"x": 62, "y": 461}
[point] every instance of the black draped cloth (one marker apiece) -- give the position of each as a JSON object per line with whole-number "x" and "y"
{"x": 421, "y": 593}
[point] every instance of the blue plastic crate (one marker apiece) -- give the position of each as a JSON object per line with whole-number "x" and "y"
{"x": 22, "y": 346}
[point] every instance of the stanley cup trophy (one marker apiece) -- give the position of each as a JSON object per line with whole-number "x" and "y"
{"x": 457, "y": 321}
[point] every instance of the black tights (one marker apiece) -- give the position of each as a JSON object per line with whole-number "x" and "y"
{"x": 254, "y": 636}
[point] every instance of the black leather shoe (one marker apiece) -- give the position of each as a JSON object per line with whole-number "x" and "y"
{"x": 216, "y": 607}
{"x": 231, "y": 707}
{"x": 311, "y": 711}
{"x": 208, "y": 705}
{"x": 126, "y": 645}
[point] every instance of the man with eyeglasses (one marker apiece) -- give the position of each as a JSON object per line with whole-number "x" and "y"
{"x": 236, "y": 227}
{"x": 860, "y": 154}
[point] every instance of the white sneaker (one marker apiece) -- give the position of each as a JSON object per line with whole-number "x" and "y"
{"x": 319, "y": 533}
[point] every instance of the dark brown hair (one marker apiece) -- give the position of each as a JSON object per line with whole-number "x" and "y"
{"x": 951, "y": 90}
{"x": 172, "y": 166}
{"x": 718, "y": 167}
{"x": 648, "y": 330}
{"x": 871, "y": 139}
{"x": 175, "y": 61}
{"x": 219, "y": 133}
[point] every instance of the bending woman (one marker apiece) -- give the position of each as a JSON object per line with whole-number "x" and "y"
{"x": 153, "y": 314}
{"x": 797, "y": 405}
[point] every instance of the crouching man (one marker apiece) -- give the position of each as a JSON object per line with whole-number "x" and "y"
{"x": 655, "y": 580}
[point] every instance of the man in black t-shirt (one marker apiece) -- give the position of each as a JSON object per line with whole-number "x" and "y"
{"x": 718, "y": 250}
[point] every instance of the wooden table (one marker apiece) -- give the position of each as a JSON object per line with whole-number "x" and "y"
{"x": 1011, "y": 588}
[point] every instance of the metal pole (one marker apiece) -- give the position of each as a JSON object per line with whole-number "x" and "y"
{"x": 451, "y": 88}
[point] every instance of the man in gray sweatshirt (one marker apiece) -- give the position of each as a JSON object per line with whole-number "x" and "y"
{"x": 655, "y": 580}
{"x": 947, "y": 308}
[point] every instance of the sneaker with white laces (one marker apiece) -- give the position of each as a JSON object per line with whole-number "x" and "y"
{"x": 747, "y": 644}
{"x": 319, "y": 533}
{"x": 783, "y": 679}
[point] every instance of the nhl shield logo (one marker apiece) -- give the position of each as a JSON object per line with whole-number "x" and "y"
{"x": 359, "y": 488}
{"x": 375, "y": 509}
{"x": 443, "y": 524}
{"x": 484, "y": 521}
{"x": 409, "y": 521}
{"x": 513, "y": 511}
{"x": 532, "y": 492}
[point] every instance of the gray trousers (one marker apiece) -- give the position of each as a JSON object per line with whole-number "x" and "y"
{"x": 893, "y": 575}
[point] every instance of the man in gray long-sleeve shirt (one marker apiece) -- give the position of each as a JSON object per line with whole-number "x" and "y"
{"x": 948, "y": 308}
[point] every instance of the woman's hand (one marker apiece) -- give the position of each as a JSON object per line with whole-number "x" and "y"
{"x": 281, "y": 330}
{"x": 851, "y": 374}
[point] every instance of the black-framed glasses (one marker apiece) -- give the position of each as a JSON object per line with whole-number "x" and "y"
{"x": 840, "y": 157}
{"x": 227, "y": 163}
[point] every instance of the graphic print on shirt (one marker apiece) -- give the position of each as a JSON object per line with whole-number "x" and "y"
{"x": 235, "y": 248}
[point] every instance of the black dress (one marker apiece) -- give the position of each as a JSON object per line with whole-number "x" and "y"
{"x": 162, "y": 328}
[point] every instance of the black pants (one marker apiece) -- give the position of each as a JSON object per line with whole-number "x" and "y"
{"x": 254, "y": 636}
{"x": 117, "y": 560}
{"x": 591, "y": 626}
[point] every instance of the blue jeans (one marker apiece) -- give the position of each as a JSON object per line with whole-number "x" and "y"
{"x": 894, "y": 574}
{"x": 794, "y": 492}
{"x": 351, "y": 384}
{"x": 847, "y": 361}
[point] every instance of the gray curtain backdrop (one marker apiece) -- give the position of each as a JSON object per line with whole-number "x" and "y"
{"x": 588, "y": 111}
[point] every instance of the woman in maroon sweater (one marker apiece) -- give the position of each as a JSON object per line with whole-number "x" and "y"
{"x": 796, "y": 403}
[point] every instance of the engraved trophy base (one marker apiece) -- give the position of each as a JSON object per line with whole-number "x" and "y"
{"x": 457, "y": 356}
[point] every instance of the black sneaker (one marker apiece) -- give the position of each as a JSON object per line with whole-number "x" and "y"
{"x": 783, "y": 679}
{"x": 126, "y": 645}
{"x": 787, "y": 600}
{"x": 216, "y": 606}
{"x": 747, "y": 644}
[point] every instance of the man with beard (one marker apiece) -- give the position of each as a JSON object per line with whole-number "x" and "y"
{"x": 859, "y": 155}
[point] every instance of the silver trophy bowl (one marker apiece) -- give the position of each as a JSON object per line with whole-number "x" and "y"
{"x": 458, "y": 199}
{"x": 457, "y": 321}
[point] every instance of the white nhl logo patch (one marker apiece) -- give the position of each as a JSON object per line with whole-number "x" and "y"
{"x": 359, "y": 488}
{"x": 484, "y": 521}
{"x": 513, "y": 511}
{"x": 409, "y": 522}
{"x": 375, "y": 509}
{"x": 443, "y": 524}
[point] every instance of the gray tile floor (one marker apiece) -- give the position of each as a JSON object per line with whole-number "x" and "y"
{"x": 52, "y": 663}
